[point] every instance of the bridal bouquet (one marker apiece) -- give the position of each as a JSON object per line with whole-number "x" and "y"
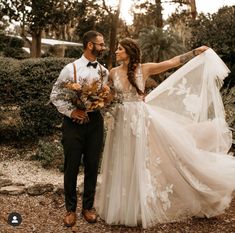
{"x": 90, "y": 96}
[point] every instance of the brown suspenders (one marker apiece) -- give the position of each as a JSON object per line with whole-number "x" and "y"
{"x": 75, "y": 73}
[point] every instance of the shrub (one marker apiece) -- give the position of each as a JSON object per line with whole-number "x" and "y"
{"x": 50, "y": 154}
{"x": 12, "y": 47}
{"x": 27, "y": 84}
{"x": 15, "y": 42}
{"x": 17, "y": 53}
{"x": 73, "y": 52}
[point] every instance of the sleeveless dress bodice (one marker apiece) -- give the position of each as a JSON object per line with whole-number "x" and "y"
{"x": 129, "y": 92}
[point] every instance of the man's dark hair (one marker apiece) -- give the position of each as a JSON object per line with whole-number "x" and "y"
{"x": 90, "y": 36}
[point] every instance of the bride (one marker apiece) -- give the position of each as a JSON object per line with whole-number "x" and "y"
{"x": 166, "y": 158}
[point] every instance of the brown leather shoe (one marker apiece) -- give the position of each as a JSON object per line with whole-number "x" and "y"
{"x": 90, "y": 215}
{"x": 70, "y": 219}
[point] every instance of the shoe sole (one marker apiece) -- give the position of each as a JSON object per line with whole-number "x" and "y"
{"x": 69, "y": 225}
{"x": 89, "y": 221}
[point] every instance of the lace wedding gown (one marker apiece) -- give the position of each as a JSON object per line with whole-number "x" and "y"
{"x": 166, "y": 159}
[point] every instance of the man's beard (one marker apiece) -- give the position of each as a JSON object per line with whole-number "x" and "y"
{"x": 97, "y": 53}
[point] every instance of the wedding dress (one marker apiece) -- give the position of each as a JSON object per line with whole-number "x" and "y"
{"x": 166, "y": 159}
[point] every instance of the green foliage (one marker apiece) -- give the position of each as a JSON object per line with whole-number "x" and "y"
{"x": 3, "y": 21}
{"x": 50, "y": 154}
{"x": 217, "y": 31}
{"x": 214, "y": 30}
{"x": 12, "y": 47}
{"x": 73, "y": 52}
{"x": 36, "y": 15}
{"x": 94, "y": 17}
{"x": 9, "y": 41}
{"x": 179, "y": 24}
{"x": 228, "y": 95}
{"x": 10, "y": 123}
{"x": 15, "y": 42}
{"x": 27, "y": 84}
{"x": 17, "y": 53}
{"x": 158, "y": 45}
{"x": 147, "y": 14}
{"x": 230, "y": 79}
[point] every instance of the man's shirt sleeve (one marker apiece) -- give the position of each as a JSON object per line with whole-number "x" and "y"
{"x": 63, "y": 106}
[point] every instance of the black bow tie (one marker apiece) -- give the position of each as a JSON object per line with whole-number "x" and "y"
{"x": 94, "y": 64}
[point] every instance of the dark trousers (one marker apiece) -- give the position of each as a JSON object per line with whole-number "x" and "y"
{"x": 77, "y": 140}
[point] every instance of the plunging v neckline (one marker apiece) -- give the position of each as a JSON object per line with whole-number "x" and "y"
{"x": 124, "y": 85}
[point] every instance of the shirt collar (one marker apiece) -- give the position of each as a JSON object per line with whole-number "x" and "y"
{"x": 85, "y": 60}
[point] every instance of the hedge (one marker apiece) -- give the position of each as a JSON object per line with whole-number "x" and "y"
{"x": 12, "y": 47}
{"x": 26, "y": 85}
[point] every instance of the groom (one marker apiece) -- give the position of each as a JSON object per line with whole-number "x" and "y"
{"x": 81, "y": 139}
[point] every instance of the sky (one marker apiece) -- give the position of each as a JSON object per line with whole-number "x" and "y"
{"x": 205, "y": 6}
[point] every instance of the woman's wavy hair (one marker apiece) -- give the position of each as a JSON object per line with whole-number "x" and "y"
{"x": 133, "y": 50}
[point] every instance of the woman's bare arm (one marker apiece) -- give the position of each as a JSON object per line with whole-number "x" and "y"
{"x": 157, "y": 68}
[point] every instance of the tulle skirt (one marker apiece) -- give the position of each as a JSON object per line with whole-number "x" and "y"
{"x": 156, "y": 170}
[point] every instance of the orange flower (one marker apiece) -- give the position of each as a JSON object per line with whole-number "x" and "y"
{"x": 106, "y": 88}
{"x": 73, "y": 86}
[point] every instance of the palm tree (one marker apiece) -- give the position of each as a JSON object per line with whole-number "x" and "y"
{"x": 158, "y": 44}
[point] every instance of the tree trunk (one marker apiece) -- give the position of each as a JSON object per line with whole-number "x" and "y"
{"x": 159, "y": 18}
{"x": 113, "y": 36}
{"x": 36, "y": 44}
{"x": 193, "y": 8}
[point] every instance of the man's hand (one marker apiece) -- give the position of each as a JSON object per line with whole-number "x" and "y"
{"x": 79, "y": 116}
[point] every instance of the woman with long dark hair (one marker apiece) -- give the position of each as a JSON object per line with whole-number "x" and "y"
{"x": 166, "y": 154}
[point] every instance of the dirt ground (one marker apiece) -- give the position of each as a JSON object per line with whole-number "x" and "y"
{"x": 44, "y": 213}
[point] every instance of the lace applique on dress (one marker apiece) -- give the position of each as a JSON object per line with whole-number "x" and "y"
{"x": 191, "y": 101}
{"x": 156, "y": 190}
{"x": 191, "y": 178}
